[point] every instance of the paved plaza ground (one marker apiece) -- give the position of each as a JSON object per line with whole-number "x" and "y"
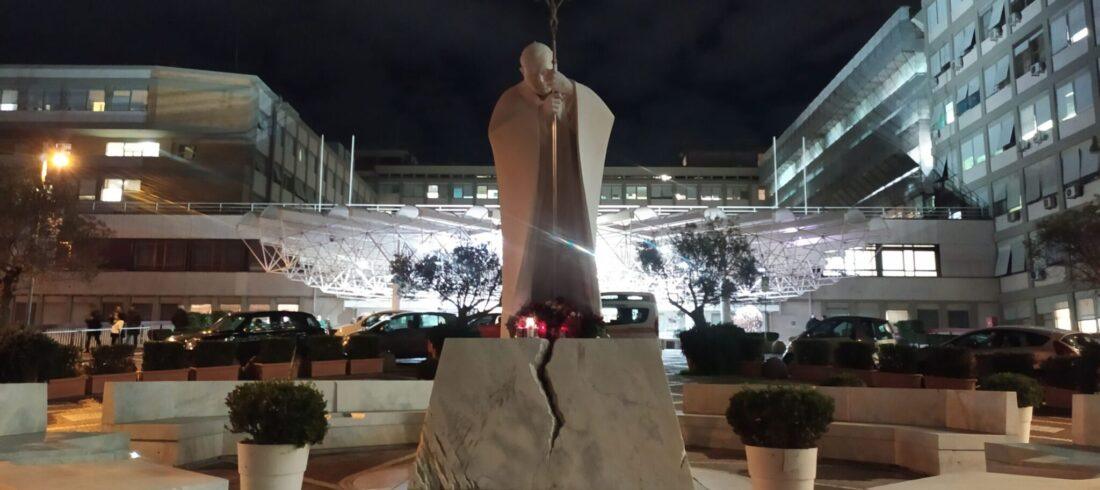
{"x": 387, "y": 467}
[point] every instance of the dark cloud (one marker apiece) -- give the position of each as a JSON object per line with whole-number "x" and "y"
{"x": 424, "y": 74}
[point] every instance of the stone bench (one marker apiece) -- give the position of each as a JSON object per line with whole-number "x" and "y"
{"x": 180, "y": 423}
{"x": 975, "y": 480}
{"x": 929, "y": 431}
{"x": 24, "y": 440}
{"x": 1065, "y": 462}
{"x": 1086, "y": 420}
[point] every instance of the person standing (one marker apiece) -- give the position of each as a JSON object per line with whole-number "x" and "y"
{"x": 117, "y": 322}
{"x": 93, "y": 323}
{"x": 133, "y": 326}
{"x": 180, "y": 320}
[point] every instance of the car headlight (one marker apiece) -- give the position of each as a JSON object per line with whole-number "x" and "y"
{"x": 190, "y": 344}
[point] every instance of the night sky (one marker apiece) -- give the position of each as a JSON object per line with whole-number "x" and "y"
{"x": 423, "y": 75}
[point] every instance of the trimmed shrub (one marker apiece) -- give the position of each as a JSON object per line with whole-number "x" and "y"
{"x": 843, "y": 379}
{"x": 113, "y": 359}
{"x": 30, "y": 357}
{"x": 1061, "y": 372}
{"x": 364, "y": 347}
{"x": 65, "y": 361}
{"x": 897, "y": 358}
{"x": 855, "y": 355}
{"x": 751, "y": 347}
{"x": 783, "y": 417}
{"x": 1005, "y": 362}
{"x": 275, "y": 350}
{"x": 211, "y": 353}
{"x": 812, "y": 352}
{"x": 160, "y": 334}
{"x": 912, "y": 331}
{"x": 712, "y": 350}
{"x": 948, "y": 362}
{"x": 278, "y": 412}
{"x": 160, "y": 356}
{"x": 324, "y": 348}
{"x": 1028, "y": 391}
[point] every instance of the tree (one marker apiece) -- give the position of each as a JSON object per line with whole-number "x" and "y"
{"x": 703, "y": 267}
{"x": 42, "y": 231}
{"x": 468, "y": 277}
{"x": 1070, "y": 237}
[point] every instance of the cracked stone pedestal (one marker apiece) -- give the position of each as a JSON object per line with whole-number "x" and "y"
{"x": 518, "y": 414}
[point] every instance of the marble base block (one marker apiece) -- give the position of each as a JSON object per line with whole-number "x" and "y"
{"x": 520, "y": 414}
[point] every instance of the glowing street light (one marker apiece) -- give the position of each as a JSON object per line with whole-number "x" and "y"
{"x": 58, "y": 155}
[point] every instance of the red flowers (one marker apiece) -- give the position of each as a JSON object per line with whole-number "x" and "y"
{"x": 554, "y": 319}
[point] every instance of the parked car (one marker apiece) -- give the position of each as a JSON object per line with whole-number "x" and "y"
{"x": 405, "y": 335}
{"x": 844, "y": 328}
{"x": 630, "y": 315}
{"x": 487, "y": 325}
{"x": 365, "y": 322}
{"x": 1044, "y": 343}
{"x": 255, "y": 326}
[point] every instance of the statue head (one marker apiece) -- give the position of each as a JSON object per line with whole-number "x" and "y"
{"x": 536, "y": 63}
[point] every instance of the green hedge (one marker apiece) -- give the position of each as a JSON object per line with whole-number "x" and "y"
{"x": 1005, "y": 362}
{"x": 854, "y": 355}
{"x": 1028, "y": 391}
{"x": 897, "y": 358}
{"x": 712, "y": 350}
{"x": 160, "y": 356}
{"x": 31, "y": 357}
{"x": 278, "y": 412}
{"x": 113, "y": 359}
{"x": 211, "y": 353}
{"x": 275, "y": 350}
{"x": 363, "y": 347}
{"x": 948, "y": 362}
{"x": 782, "y": 417}
{"x": 324, "y": 348}
{"x": 812, "y": 352}
{"x": 844, "y": 379}
{"x": 1062, "y": 372}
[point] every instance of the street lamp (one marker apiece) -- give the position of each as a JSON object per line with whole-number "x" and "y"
{"x": 58, "y": 155}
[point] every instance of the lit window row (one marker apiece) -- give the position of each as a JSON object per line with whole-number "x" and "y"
{"x": 133, "y": 149}
{"x": 73, "y": 99}
{"x": 885, "y": 261}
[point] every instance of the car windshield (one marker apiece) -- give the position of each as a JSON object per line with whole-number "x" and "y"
{"x": 376, "y": 317}
{"x": 227, "y": 324}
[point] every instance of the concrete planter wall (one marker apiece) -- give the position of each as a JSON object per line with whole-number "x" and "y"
{"x": 365, "y": 366}
{"x": 811, "y": 374}
{"x": 216, "y": 373}
{"x": 751, "y": 369}
{"x": 337, "y": 367}
{"x": 1086, "y": 420}
{"x": 62, "y": 388}
{"x": 98, "y": 380}
{"x": 166, "y": 375}
{"x": 277, "y": 370}
{"x": 880, "y": 379}
{"x": 271, "y": 466}
{"x": 782, "y": 469}
{"x": 1058, "y": 397}
{"x": 938, "y": 383}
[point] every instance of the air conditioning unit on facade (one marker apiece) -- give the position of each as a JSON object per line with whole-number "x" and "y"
{"x": 1050, "y": 202}
{"x": 1038, "y": 68}
{"x": 1038, "y": 274}
{"x": 1042, "y": 137}
{"x": 993, "y": 34}
{"x": 1017, "y": 17}
{"x": 1013, "y": 216}
{"x": 1025, "y": 145}
{"x": 1074, "y": 191}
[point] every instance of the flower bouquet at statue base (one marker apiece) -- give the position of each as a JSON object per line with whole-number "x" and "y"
{"x": 554, "y": 319}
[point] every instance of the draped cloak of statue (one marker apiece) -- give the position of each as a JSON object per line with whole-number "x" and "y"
{"x": 541, "y": 263}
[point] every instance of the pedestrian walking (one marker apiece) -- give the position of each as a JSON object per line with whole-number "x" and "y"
{"x": 93, "y": 323}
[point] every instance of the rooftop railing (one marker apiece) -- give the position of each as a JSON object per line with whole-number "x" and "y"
{"x": 229, "y": 208}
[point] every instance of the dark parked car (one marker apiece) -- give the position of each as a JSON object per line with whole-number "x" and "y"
{"x": 405, "y": 335}
{"x": 250, "y": 328}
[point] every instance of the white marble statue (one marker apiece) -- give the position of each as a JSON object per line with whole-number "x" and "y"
{"x": 548, "y": 242}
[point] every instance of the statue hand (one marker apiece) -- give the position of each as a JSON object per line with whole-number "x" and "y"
{"x": 554, "y": 105}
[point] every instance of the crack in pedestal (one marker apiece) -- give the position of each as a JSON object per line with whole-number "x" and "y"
{"x": 548, "y": 392}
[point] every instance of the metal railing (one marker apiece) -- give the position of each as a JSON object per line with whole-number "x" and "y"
{"x": 231, "y": 208}
{"x": 79, "y": 337}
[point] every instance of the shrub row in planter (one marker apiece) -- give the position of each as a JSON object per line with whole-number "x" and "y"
{"x": 724, "y": 349}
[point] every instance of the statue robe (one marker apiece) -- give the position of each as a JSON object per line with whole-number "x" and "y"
{"x": 540, "y": 262}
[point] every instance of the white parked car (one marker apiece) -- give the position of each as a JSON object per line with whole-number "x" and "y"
{"x": 364, "y": 322}
{"x": 630, "y": 315}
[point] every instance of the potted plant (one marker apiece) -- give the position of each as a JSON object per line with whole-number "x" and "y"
{"x": 1005, "y": 362}
{"x": 948, "y": 368}
{"x": 1061, "y": 380}
{"x": 275, "y": 359}
{"x": 811, "y": 360}
{"x": 215, "y": 360}
{"x": 326, "y": 356}
{"x": 1028, "y": 396}
{"x": 63, "y": 379}
{"x": 779, "y": 427}
{"x": 897, "y": 367}
{"x": 844, "y": 379}
{"x": 364, "y": 354}
{"x": 856, "y": 359}
{"x": 164, "y": 361}
{"x": 282, "y": 419}
{"x": 112, "y": 363}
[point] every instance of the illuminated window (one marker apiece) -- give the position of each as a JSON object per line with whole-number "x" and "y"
{"x": 97, "y": 100}
{"x": 686, "y": 192}
{"x": 433, "y": 191}
{"x": 482, "y": 192}
{"x": 711, "y": 192}
{"x": 637, "y": 192}
{"x": 1074, "y": 96}
{"x": 973, "y": 152}
{"x": 1068, "y": 28}
{"x": 112, "y": 191}
{"x": 287, "y": 307}
{"x": 1035, "y": 119}
{"x": 492, "y": 193}
{"x": 761, "y": 194}
{"x": 1086, "y": 315}
{"x": 133, "y": 149}
{"x": 9, "y": 100}
{"x": 909, "y": 261}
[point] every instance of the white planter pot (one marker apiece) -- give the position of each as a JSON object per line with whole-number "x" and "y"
{"x": 782, "y": 469}
{"x": 271, "y": 466}
{"x": 1024, "y": 434}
